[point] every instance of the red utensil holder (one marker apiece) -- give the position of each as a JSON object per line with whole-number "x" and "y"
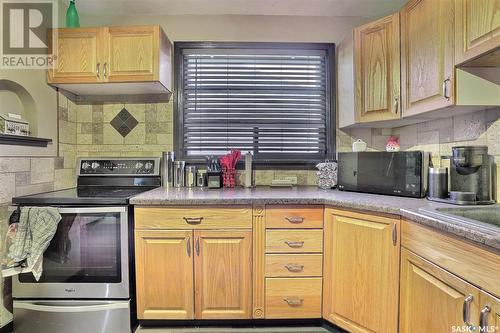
{"x": 229, "y": 177}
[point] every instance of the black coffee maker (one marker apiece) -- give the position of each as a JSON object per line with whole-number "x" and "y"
{"x": 471, "y": 176}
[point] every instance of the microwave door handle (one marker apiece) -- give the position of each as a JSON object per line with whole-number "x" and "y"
{"x": 71, "y": 308}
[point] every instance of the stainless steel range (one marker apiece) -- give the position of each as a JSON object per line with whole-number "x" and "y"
{"x": 85, "y": 285}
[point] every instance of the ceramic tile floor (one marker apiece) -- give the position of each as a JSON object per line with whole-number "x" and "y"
{"x": 235, "y": 330}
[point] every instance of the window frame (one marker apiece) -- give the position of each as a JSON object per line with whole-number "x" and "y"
{"x": 284, "y": 161}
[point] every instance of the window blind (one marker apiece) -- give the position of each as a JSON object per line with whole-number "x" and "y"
{"x": 272, "y": 102}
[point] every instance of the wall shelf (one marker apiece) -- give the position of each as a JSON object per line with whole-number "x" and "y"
{"x": 18, "y": 140}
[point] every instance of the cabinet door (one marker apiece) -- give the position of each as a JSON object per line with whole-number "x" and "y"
{"x": 223, "y": 270}
{"x": 361, "y": 271}
{"x": 490, "y": 312}
{"x": 434, "y": 300}
{"x": 164, "y": 271}
{"x": 377, "y": 70}
{"x": 132, "y": 53}
{"x": 77, "y": 56}
{"x": 477, "y": 29}
{"x": 427, "y": 55}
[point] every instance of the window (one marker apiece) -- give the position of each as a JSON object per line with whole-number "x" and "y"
{"x": 272, "y": 99}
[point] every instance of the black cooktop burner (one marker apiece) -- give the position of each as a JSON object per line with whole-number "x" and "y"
{"x": 83, "y": 196}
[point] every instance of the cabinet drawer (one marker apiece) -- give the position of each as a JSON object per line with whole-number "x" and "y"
{"x": 293, "y": 298}
{"x": 294, "y": 241}
{"x": 294, "y": 216}
{"x": 288, "y": 265}
{"x": 233, "y": 217}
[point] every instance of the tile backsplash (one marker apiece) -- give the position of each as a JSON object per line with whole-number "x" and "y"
{"x": 436, "y": 136}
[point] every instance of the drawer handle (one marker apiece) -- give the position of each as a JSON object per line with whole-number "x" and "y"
{"x": 295, "y": 268}
{"x": 295, "y": 219}
{"x": 294, "y": 301}
{"x": 466, "y": 309}
{"x": 483, "y": 319}
{"x": 193, "y": 220}
{"x": 293, "y": 244}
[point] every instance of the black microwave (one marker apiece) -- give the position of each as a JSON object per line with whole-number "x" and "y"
{"x": 395, "y": 173}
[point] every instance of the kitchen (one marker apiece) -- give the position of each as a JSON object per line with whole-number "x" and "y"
{"x": 389, "y": 101}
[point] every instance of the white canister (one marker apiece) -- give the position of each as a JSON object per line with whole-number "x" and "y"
{"x": 358, "y": 145}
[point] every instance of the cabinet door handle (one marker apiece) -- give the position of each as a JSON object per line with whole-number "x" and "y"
{"x": 193, "y": 220}
{"x": 293, "y": 244}
{"x": 483, "y": 318}
{"x": 466, "y": 309}
{"x": 394, "y": 234}
{"x": 396, "y": 104}
{"x": 105, "y": 70}
{"x": 98, "y": 70}
{"x": 295, "y": 268}
{"x": 294, "y": 301}
{"x": 294, "y": 219}
{"x": 197, "y": 246}
{"x": 188, "y": 246}
{"x": 446, "y": 92}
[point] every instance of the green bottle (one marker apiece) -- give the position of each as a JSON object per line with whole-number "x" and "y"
{"x": 72, "y": 19}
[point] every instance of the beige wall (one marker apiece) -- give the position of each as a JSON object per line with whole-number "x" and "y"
{"x": 42, "y": 115}
{"x": 240, "y": 27}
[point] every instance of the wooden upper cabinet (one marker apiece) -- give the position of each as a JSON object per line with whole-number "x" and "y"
{"x": 427, "y": 55}
{"x": 477, "y": 31}
{"x": 132, "y": 53}
{"x": 164, "y": 272}
{"x": 78, "y": 56}
{"x": 223, "y": 273}
{"x": 434, "y": 300}
{"x": 377, "y": 70}
{"x": 489, "y": 317}
{"x": 361, "y": 271}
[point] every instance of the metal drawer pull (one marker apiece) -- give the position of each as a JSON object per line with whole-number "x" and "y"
{"x": 295, "y": 268}
{"x": 193, "y": 220}
{"x": 445, "y": 88}
{"x": 394, "y": 234}
{"x": 188, "y": 246}
{"x": 466, "y": 309}
{"x": 294, "y": 301}
{"x": 483, "y": 318}
{"x": 294, "y": 219}
{"x": 105, "y": 70}
{"x": 294, "y": 244}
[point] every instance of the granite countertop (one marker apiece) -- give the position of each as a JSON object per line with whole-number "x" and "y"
{"x": 409, "y": 208}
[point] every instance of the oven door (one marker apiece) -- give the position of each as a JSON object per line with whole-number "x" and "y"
{"x": 87, "y": 258}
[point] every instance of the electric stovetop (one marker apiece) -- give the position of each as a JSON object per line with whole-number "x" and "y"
{"x": 82, "y": 196}
{"x": 102, "y": 182}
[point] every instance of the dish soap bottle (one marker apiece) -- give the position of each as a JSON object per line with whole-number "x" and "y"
{"x": 72, "y": 19}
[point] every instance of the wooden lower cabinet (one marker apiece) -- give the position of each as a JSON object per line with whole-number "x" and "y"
{"x": 164, "y": 274}
{"x": 223, "y": 274}
{"x": 433, "y": 300}
{"x": 361, "y": 271}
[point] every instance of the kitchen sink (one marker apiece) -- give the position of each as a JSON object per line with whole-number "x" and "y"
{"x": 489, "y": 215}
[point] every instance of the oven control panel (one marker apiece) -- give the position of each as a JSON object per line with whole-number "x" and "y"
{"x": 118, "y": 166}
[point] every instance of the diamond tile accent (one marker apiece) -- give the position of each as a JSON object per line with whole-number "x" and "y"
{"x": 124, "y": 122}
